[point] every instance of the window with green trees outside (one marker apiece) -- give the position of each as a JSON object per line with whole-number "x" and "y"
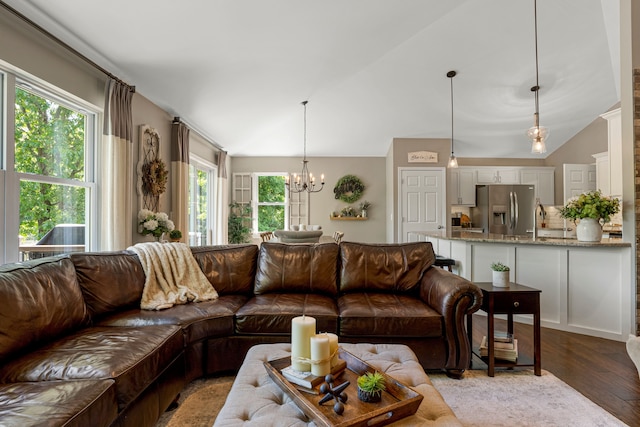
{"x": 271, "y": 202}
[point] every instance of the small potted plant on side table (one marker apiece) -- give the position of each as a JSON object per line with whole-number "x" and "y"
{"x": 500, "y": 274}
{"x": 370, "y": 386}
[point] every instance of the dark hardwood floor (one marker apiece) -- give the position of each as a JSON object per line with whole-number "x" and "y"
{"x": 600, "y": 369}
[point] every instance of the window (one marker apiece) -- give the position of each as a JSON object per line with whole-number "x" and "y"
{"x": 202, "y": 198}
{"x": 271, "y": 204}
{"x": 49, "y": 166}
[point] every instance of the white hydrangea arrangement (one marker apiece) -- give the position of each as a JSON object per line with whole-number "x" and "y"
{"x": 154, "y": 223}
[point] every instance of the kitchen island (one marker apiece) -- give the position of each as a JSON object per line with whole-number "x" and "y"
{"x": 587, "y": 288}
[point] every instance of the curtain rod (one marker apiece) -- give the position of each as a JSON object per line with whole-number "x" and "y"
{"x": 178, "y": 119}
{"x": 63, "y": 44}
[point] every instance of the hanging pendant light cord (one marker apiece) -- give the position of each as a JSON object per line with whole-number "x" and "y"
{"x": 304, "y": 138}
{"x": 535, "y": 21}
{"x": 451, "y": 79}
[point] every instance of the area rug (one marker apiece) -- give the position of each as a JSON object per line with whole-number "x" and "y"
{"x": 519, "y": 398}
{"x": 511, "y": 398}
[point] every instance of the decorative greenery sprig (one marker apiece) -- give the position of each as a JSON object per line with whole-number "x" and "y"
{"x": 372, "y": 382}
{"x": 498, "y": 266}
{"x": 591, "y": 204}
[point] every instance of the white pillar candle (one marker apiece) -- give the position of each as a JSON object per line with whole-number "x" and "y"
{"x": 333, "y": 348}
{"x": 302, "y": 329}
{"x": 320, "y": 352}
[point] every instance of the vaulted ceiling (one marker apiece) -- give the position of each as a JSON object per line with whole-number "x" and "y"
{"x": 372, "y": 70}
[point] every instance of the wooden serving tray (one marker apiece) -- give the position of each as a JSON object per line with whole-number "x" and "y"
{"x": 398, "y": 400}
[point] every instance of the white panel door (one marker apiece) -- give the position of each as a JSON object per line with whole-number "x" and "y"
{"x": 578, "y": 178}
{"x": 422, "y": 205}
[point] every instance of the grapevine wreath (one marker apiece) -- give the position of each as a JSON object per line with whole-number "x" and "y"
{"x": 349, "y": 188}
{"x": 154, "y": 177}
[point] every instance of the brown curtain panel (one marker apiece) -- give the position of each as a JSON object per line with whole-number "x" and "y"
{"x": 180, "y": 177}
{"x": 116, "y": 169}
{"x": 222, "y": 164}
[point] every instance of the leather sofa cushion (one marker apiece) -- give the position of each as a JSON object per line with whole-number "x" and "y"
{"x": 271, "y": 314}
{"x": 292, "y": 268}
{"x": 133, "y": 357}
{"x": 199, "y": 320}
{"x": 378, "y": 314}
{"x": 61, "y": 403}
{"x": 41, "y": 300}
{"x": 395, "y": 268}
{"x": 110, "y": 281}
{"x": 230, "y": 269}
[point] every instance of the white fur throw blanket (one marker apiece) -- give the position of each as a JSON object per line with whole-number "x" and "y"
{"x": 172, "y": 276}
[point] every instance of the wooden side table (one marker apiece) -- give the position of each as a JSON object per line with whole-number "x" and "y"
{"x": 515, "y": 299}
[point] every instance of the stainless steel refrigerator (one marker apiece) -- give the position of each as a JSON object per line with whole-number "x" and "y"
{"x": 504, "y": 209}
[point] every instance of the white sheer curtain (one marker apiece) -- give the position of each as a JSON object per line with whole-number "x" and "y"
{"x": 115, "y": 217}
{"x": 223, "y": 199}
{"x": 180, "y": 177}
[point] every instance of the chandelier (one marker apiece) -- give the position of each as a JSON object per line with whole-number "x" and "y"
{"x": 537, "y": 134}
{"x": 305, "y": 181}
{"x": 453, "y": 162}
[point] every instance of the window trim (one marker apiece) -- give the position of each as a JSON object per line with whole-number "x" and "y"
{"x": 255, "y": 203}
{"x": 13, "y": 78}
{"x": 198, "y": 162}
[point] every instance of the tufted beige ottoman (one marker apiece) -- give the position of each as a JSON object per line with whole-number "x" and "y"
{"x": 255, "y": 400}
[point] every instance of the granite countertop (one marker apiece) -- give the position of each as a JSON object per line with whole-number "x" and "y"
{"x": 520, "y": 240}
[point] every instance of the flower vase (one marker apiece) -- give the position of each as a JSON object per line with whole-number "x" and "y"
{"x": 589, "y": 230}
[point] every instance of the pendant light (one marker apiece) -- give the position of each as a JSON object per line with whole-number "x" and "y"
{"x": 453, "y": 162}
{"x": 305, "y": 181}
{"x": 537, "y": 134}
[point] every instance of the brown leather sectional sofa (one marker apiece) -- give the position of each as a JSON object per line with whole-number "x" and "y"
{"x": 76, "y": 350}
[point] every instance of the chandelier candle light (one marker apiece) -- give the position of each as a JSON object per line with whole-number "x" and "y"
{"x": 537, "y": 134}
{"x": 305, "y": 181}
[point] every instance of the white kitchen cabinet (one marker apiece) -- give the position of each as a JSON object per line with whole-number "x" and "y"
{"x": 497, "y": 175}
{"x": 462, "y": 186}
{"x": 614, "y": 120}
{"x": 544, "y": 181}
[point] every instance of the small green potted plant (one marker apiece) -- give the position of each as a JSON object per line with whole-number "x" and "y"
{"x": 500, "y": 274}
{"x": 370, "y": 386}
{"x": 175, "y": 235}
{"x": 364, "y": 207}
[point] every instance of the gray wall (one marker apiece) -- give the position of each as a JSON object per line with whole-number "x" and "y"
{"x": 370, "y": 170}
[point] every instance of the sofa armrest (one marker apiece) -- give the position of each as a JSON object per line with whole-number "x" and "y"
{"x": 453, "y": 297}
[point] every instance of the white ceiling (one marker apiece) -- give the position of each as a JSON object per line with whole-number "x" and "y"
{"x": 372, "y": 70}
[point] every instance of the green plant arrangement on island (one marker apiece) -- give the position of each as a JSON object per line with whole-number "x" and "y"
{"x": 498, "y": 266}
{"x": 239, "y": 218}
{"x": 591, "y": 204}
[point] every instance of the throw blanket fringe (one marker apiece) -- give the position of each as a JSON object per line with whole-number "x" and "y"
{"x": 172, "y": 276}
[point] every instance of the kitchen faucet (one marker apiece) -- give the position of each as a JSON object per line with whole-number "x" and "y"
{"x": 543, "y": 214}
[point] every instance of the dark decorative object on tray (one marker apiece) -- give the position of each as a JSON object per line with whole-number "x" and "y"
{"x": 337, "y": 393}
